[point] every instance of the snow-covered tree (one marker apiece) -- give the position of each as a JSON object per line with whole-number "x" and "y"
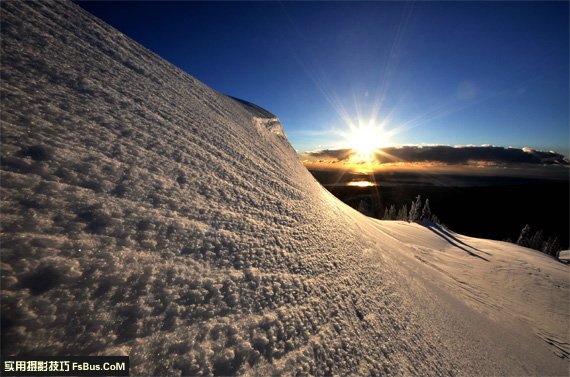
{"x": 390, "y": 213}
{"x": 551, "y": 246}
{"x": 412, "y": 213}
{"x": 546, "y": 245}
{"x": 537, "y": 240}
{"x": 415, "y": 211}
{"x": 363, "y": 208}
{"x": 426, "y": 211}
{"x": 403, "y": 213}
{"x": 555, "y": 247}
{"x": 434, "y": 219}
{"x": 524, "y": 237}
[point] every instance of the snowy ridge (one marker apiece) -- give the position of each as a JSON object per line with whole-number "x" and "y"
{"x": 146, "y": 214}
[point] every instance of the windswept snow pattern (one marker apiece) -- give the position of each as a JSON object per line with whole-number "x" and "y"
{"x": 145, "y": 214}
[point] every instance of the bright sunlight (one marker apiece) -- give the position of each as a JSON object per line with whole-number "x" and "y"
{"x": 364, "y": 139}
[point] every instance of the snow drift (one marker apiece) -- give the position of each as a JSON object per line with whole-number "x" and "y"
{"x": 146, "y": 214}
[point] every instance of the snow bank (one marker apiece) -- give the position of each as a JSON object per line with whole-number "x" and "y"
{"x": 146, "y": 214}
{"x": 564, "y": 255}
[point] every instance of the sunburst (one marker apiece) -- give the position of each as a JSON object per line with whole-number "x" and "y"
{"x": 364, "y": 139}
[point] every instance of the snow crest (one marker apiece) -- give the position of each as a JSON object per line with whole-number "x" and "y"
{"x": 271, "y": 124}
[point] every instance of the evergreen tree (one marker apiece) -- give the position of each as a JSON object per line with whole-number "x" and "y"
{"x": 546, "y": 246}
{"x": 363, "y": 208}
{"x": 403, "y": 213}
{"x": 412, "y": 211}
{"x": 524, "y": 237}
{"x": 434, "y": 219}
{"x": 551, "y": 246}
{"x": 537, "y": 240}
{"x": 426, "y": 211}
{"x": 415, "y": 211}
{"x": 555, "y": 247}
{"x": 391, "y": 214}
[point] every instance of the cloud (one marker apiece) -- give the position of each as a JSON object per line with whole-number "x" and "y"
{"x": 336, "y": 155}
{"x": 453, "y": 155}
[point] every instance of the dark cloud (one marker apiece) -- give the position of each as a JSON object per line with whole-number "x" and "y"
{"x": 331, "y": 154}
{"x": 450, "y": 155}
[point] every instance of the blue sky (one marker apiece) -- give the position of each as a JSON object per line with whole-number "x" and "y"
{"x": 435, "y": 72}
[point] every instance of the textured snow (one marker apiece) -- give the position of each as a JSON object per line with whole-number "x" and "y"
{"x": 146, "y": 214}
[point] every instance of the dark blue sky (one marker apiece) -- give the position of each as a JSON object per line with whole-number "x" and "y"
{"x": 436, "y": 72}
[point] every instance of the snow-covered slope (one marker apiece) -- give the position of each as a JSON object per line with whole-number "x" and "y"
{"x": 146, "y": 214}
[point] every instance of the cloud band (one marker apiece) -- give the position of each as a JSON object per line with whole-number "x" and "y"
{"x": 454, "y": 155}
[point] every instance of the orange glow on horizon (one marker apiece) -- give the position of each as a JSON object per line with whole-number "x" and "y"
{"x": 370, "y": 167}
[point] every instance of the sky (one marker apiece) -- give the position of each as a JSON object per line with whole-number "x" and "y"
{"x": 429, "y": 73}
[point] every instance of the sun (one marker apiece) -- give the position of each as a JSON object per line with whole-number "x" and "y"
{"x": 364, "y": 139}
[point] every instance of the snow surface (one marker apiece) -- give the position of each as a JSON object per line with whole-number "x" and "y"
{"x": 146, "y": 214}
